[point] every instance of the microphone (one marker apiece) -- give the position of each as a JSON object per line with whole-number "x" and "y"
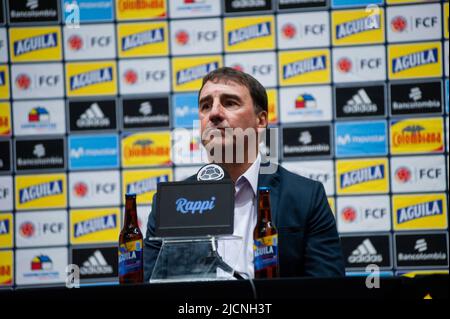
{"x": 212, "y": 172}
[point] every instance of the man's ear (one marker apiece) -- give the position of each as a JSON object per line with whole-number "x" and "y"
{"x": 262, "y": 119}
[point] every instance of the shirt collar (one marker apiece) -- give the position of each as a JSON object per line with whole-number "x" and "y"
{"x": 251, "y": 174}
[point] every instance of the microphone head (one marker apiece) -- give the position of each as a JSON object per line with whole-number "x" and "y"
{"x": 212, "y": 172}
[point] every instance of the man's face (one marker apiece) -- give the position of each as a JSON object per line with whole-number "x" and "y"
{"x": 227, "y": 105}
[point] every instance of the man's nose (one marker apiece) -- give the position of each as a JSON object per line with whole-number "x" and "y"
{"x": 216, "y": 114}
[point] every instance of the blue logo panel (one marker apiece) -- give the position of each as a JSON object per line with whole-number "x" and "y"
{"x": 93, "y": 152}
{"x": 89, "y": 11}
{"x": 185, "y": 109}
{"x": 361, "y": 139}
{"x": 354, "y": 3}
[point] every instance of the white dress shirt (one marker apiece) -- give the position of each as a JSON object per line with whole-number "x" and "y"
{"x": 239, "y": 255}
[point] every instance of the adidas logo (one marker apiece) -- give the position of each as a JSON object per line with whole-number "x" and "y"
{"x": 360, "y": 103}
{"x": 365, "y": 253}
{"x": 421, "y": 245}
{"x": 93, "y": 117}
{"x": 96, "y": 264}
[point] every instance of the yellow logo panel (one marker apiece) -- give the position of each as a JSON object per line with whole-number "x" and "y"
{"x": 187, "y": 73}
{"x": 421, "y": 211}
{"x": 304, "y": 67}
{"x": 412, "y": 135}
{"x": 446, "y": 22}
{"x": 5, "y": 119}
{"x": 6, "y": 268}
{"x": 89, "y": 226}
{"x": 362, "y": 176}
{"x": 144, "y": 149}
{"x": 4, "y": 82}
{"x": 420, "y": 60}
{"x": 40, "y": 191}
{"x": 140, "y": 9}
{"x": 35, "y": 44}
{"x": 6, "y": 230}
{"x": 143, "y": 183}
{"x": 358, "y": 26}
{"x": 249, "y": 34}
{"x": 405, "y": 1}
{"x": 142, "y": 39}
{"x": 91, "y": 78}
{"x": 332, "y": 204}
{"x": 272, "y": 101}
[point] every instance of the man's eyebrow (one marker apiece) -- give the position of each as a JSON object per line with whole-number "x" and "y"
{"x": 230, "y": 96}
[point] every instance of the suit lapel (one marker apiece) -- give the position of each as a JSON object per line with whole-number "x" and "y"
{"x": 272, "y": 181}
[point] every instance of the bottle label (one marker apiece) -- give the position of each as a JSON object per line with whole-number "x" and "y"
{"x": 265, "y": 251}
{"x": 130, "y": 257}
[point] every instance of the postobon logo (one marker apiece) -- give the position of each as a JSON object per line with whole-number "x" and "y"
{"x": 91, "y": 79}
{"x": 35, "y": 44}
{"x": 362, "y": 176}
{"x": 187, "y": 73}
{"x": 140, "y": 9}
{"x": 249, "y": 34}
{"x": 41, "y": 191}
{"x": 358, "y": 26}
{"x": 94, "y": 225}
{"x": 143, "y": 39}
{"x": 5, "y": 119}
{"x": 304, "y": 67}
{"x": 6, "y": 268}
{"x": 415, "y": 61}
{"x": 421, "y": 211}
{"x": 272, "y": 105}
{"x": 144, "y": 149}
{"x": 144, "y": 182}
{"x": 417, "y": 136}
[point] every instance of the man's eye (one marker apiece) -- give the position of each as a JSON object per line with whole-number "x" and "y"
{"x": 230, "y": 103}
{"x": 204, "y": 106}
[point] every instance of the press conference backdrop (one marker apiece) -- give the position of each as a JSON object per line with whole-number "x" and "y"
{"x": 88, "y": 112}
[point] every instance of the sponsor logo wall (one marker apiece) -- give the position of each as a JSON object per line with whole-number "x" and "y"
{"x": 359, "y": 96}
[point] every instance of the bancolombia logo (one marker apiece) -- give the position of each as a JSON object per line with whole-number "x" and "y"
{"x": 185, "y": 206}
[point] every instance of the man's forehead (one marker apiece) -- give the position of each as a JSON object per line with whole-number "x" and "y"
{"x": 226, "y": 86}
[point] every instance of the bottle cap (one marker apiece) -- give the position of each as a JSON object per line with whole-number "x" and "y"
{"x": 130, "y": 195}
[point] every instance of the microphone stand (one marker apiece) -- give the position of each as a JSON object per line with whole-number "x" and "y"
{"x": 214, "y": 256}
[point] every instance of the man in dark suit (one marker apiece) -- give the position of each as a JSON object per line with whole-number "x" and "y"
{"x": 232, "y": 105}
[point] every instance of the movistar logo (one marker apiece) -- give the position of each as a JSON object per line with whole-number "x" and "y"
{"x": 93, "y": 225}
{"x": 304, "y": 66}
{"x": 349, "y": 28}
{"x": 413, "y": 212}
{"x": 415, "y": 59}
{"x": 39, "y": 191}
{"x": 146, "y": 185}
{"x": 185, "y": 206}
{"x": 251, "y": 32}
{"x": 195, "y": 73}
{"x": 142, "y": 38}
{"x": 82, "y": 80}
{"x": 362, "y": 175}
{"x": 27, "y": 45}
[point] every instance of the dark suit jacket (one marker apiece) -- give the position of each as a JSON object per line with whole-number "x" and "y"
{"x": 309, "y": 244}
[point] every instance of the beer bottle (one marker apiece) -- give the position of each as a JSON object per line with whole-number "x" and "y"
{"x": 265, "y": 239}
{"x": 130, "y": 245}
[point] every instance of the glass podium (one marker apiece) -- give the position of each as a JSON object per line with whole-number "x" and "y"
{"x": 195, "y": 259}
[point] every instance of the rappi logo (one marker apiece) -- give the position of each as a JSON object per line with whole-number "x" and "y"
{"x": 75, "y": 42}
{"x": 27, "y": 229}
{"x": 23, "y": 81}
{"x": 398, "y": 24}
{"x": 349, "y": 214}
{"x": 288, "y": 31}
{"x": 80, "y": 189}
{"x": 344, "y": 65}
{"x": 182, "y": 37}
{"x": 403, "y": 175}
{"x": 130, "y": 77}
